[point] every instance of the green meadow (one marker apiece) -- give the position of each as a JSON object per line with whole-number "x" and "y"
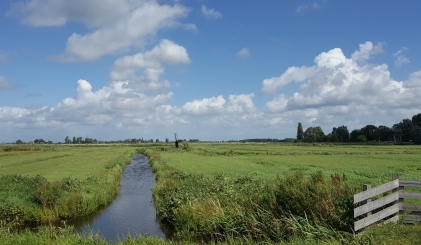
{"x": 48, "y": 184}
{"x": 58, "y": 162}
{"x": 362, "y": 164}
{"x": 274, "y": 192}
{"x": 232, "y": 193}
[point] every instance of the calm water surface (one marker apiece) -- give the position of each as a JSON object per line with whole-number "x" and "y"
{"x": 132, "y": 212}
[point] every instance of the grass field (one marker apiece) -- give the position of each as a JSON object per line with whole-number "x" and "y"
{"x": 362, "y": 164}
{"x": 215, "y": 192}
{"x": 43, "y": 184}
{"x": 58, "y": 162}
{"x": 229, "y": 193}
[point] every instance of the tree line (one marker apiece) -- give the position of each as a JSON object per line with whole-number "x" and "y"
{"x": 407, "y": 130}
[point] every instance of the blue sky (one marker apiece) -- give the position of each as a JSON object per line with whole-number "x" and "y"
{"x": 212, "y": 70}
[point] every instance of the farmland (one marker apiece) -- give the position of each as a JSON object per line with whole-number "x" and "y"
{"x": 362, "y": 164}
{"x": 46, "y": 184}
{"x": 234, "y": 193}
{"x": 56, "y": 163}
{"x": 273, "y": 192}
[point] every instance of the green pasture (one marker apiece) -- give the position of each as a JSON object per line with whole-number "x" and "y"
{"x": 274, "y": 192}
{"x": 48, "y": 183}
{"x": 362, "y": 164}
{"x": 58, "y": 162}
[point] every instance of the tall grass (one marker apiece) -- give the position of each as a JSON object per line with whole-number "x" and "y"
{"x": 220, "y": 208}
{"x": 26, "y": 200}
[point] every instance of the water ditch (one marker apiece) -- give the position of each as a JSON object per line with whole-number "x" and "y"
{"x": 132, "y": 212}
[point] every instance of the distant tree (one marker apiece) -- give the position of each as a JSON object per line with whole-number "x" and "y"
{"x": 88, "y": 140}
{"x": 340, "y": 134}
{"x": 19, "y": 141}
{"x": 380, "y": 134}
{"x": 369, "y": 132}
{"x": 300, "y": 133}
{"x": 361, "y": 138}
{"x": 354, "y": 135}
{"x": 332, "y": 137}
{"x": 74, "y": 140}
{"x": 157, "y": 140}
{"x": 406, "y": 126}
{"x": 416, "y": 134}
{"x": 133, "y": 141}
{"x": 416, "y": 120}
{"x": 167, "y": 140}
{"x": 151, "y": 140}
{"x": 314, "y": 134}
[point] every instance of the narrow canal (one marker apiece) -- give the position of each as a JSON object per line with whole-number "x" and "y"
{"x": 132, "y": 212}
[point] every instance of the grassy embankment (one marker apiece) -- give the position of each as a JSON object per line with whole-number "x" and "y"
{"x": 272, "y": 192}
{"x": 241, "y": 194}
{"x": 42, "y": 184}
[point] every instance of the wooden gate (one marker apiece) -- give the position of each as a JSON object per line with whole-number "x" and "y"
{"x": 388, "y": 205}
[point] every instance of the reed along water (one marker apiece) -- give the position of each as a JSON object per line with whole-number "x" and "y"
{"x": 132, "y": 212}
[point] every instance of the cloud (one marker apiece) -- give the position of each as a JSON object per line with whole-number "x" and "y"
{"x": 400, "y": 58}
{"x": 336, "y": 90}
{"x": 326, "y": 61}
{"x": 114, "y": 23}
{"x": 150, "y": 62}
{"x": 367, "y": 49}
{"x": 313, "y": 6}
{"x": 297, "y": 74}
{"x": 5, "y": 84}
{"x": 341, "y": 90}
{"x": 210, "y": 13}
{"x": 244, "y": 53}
{"x": 237, "y": 104}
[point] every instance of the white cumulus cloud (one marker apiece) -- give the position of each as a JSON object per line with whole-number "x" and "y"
{"x": 211, "y": 13}
{"x": 117, "y": 25}
{"x": 344, "y": 89}
{"x": 366, "y": 50}
{"x": 150, "y": 62}
{"x": 401, "y": 59}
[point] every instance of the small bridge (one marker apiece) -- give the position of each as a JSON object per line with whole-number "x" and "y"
{"x": 389, "y": 204}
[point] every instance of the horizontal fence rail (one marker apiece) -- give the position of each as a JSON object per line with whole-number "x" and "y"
{"x": 388, "y": 208}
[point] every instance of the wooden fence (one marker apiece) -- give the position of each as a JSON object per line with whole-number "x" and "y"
{"x": 387, "y": 208}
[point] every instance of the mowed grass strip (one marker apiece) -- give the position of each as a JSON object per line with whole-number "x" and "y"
{"x": 59, "y": 162}
{"x": 362, "y": 164}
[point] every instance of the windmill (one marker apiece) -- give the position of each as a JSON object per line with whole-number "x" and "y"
{"x": 176, "y": 140}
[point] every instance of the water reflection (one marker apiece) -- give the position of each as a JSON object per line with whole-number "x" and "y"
{"x": 132, "y": 212}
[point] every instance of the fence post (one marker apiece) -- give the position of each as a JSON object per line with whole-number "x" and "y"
{"x": 400, "y": 201}
{"x": 367, "y": 187}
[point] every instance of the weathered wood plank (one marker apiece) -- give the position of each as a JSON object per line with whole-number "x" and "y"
{"x": 376, "y": 204}
{"x": 412, "y": 218}
{"x": 408, "y": 182}
{"x": 394, "y": 219}
{"x": 410, "y": 207}
{"x": 376, "y": 191}
{"x": 409, "y": 195}
{"x": 376, "y": 217}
